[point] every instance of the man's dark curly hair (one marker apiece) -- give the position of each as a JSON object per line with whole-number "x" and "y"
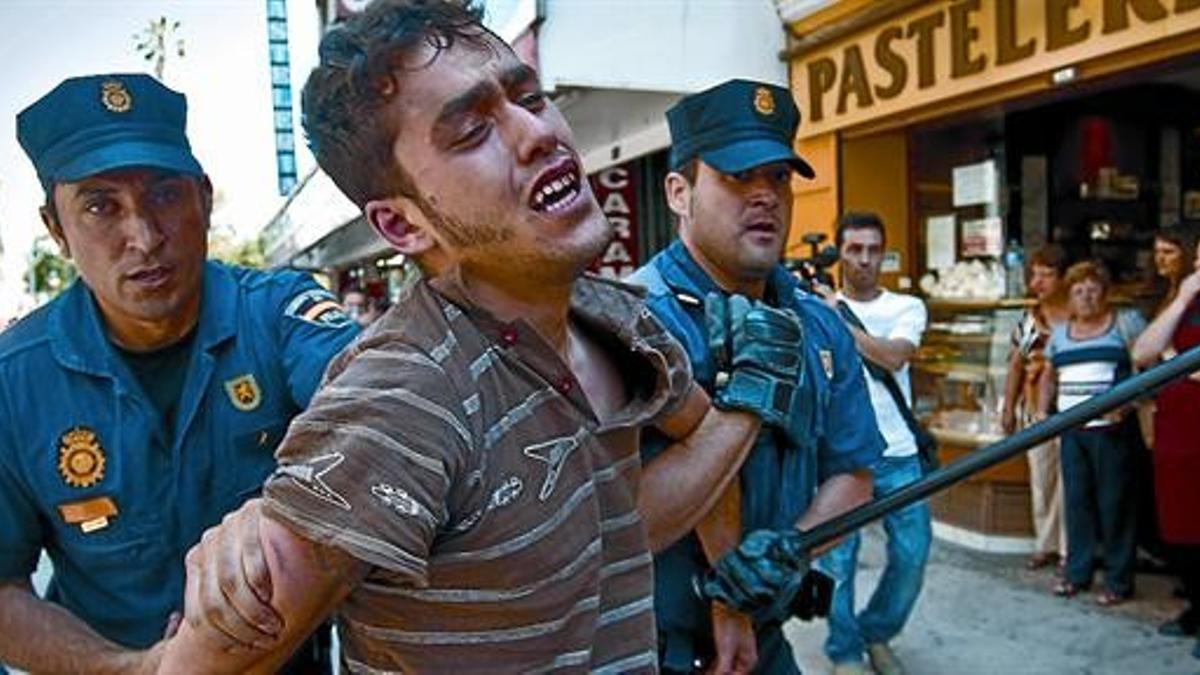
{"x": 359, "y": 74}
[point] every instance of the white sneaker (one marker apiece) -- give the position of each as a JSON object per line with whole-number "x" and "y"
{"x": 884, "y": 660}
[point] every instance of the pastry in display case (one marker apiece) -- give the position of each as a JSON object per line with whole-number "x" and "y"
{"x": 958, "y": 378}
{"x": 958, "y": 372}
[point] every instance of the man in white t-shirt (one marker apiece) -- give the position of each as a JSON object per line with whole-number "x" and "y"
{"x": 894, "y": 323}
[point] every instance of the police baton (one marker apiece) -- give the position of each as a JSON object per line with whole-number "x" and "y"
{"x": 1137, "y": 386}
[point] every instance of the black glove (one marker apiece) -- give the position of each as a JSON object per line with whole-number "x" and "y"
{"x": 814, "y": 597}
{"x": 759, "y": 355}
{"x": 761, "y": 577}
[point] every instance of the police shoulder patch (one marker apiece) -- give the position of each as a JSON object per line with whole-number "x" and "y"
{"x": 318, "y": 307}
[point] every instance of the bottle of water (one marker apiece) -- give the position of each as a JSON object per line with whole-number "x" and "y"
{"x": 1014, "y": 270}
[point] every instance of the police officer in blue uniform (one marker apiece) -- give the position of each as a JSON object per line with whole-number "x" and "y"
{"x": 730, "y": 187}
{"x": 146, "y": 401}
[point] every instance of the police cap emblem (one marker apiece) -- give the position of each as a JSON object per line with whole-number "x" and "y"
{"x": 115, "y": 97}
{"x": 80, "y": 457}
{"x": 764, "y": 101}
{"x": 243, "y": 392}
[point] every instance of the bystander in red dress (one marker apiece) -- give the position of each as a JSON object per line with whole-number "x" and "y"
{"x": 1176, "y": 445}
{"x": 1177, "y": 476}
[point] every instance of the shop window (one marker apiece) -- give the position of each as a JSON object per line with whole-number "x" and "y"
{"x": 959, "y": 200}
{"x": 1118, "y": 165}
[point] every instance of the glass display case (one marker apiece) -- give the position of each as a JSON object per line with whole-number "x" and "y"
{"x": 958, "y": 377}
{"x": 958, "y": 372}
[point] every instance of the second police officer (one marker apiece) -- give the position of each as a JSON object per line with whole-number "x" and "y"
{"x": 730, "y": 188}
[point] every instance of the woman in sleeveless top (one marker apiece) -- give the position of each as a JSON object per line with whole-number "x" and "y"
{"x": 1176, "y": 451}
{"x": 1084, "y": 358}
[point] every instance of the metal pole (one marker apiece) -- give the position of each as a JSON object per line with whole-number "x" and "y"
{"x": 1140, "y": 385}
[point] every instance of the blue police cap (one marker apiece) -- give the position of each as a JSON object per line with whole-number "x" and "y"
{"x": 88, "y": 125}
{"x": 736, "y": 126}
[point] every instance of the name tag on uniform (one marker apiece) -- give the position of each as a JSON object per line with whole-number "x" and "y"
{"x": 90, "y": 514}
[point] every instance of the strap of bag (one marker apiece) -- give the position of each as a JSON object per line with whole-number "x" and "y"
{"x": 883, "y": 375}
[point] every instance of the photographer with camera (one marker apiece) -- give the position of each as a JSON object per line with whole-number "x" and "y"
{"x": 887, "y": 328}
{"x": 814, "y": 270}
{"x": 730, "y": 187}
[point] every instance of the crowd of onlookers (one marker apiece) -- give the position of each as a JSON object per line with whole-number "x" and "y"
{"x": 1119, "y": 483}
{"x": 363, "y": 305}
{"x": 1125, "y": 480}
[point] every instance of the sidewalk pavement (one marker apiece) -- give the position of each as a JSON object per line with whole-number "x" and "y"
{"x": 984, "y": 613}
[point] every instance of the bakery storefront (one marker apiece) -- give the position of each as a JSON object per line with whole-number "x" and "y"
{"x": 980, "y": 130}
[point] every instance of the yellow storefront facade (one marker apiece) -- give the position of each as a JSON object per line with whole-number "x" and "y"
{"x": 980, "y": 127}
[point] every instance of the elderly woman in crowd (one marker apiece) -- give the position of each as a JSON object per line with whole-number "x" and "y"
{"x": 1026, "y": 367}
{"x": 1176, "y": 430}
{"x": 1087, "y": 356}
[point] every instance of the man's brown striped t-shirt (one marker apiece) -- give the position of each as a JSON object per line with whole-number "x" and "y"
{"x": 458, "y": 456}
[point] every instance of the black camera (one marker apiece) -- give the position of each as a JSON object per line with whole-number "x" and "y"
{"x": 815, "y": 266}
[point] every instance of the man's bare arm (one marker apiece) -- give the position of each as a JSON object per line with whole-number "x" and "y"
{"x": 890, "y": 353}
{"x": 837, "y": 495}
{"x": 721, "y": 528}
{"x": 683, "y": 483}
{"x": 761, "y": 574}
{"x": 42, "y": 637}
{"x": 719, "y": 532}
{"x": 308, "y": 582}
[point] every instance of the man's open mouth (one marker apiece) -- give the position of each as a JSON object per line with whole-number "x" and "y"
{"x": 556, "y": 187}
{"x": 150, "y": 275}
{"x": 762, "y": 226}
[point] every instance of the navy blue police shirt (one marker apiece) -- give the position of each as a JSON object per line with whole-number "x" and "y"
{"x": 90, "y": 473}
{"x": 778, "y": 480}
